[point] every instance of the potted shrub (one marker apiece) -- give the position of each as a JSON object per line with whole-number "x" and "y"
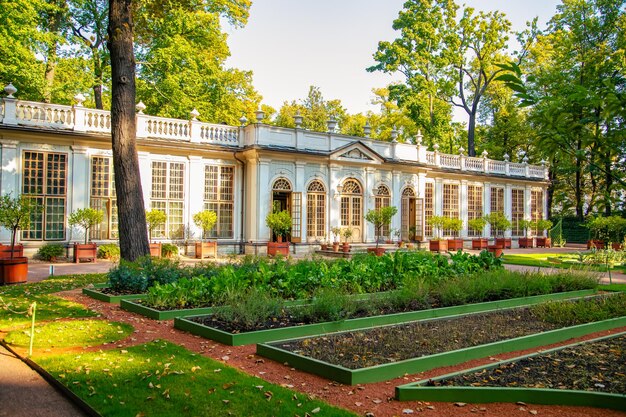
{"x": 85, "y": 218}
{"x": 526, "y": 241}
{"x": 543, "y": 240}
{"x": 336, "y": 231}
{"x": 15, "y": 214}
{"x": 280, "y": 224}
{"x": 598, "y": 228}
{"x": 169, "y": 250}
{"x": 500, "y": 224}
{"x": 155, "y": 219}
{"x": 324, "y": 244}
{"x": 380, "y": 218}
{"x": 437, "y": 244}
{"x": 205, "y": 220}
{"x": 347, "y": 234}
{"x": 455, "y": 225}
{"x": 50, "y": 252}
{"x": 617, "y": 229}
{"x": 478, "y": 224}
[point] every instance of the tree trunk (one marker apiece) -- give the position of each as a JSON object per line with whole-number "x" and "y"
{"x": 578, "y": 191}
{"x": 97, "y": 86}
{"x": 471, "y": 128}
{"x": 131, "y": 212}
{"x": 51, "y": 64}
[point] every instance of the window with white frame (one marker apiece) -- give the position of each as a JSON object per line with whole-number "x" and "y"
{"x": 44, "y": 178}
{"x": 517, "y": 211}
{"x": 219, "y": 197}
{"x": 103, "y": 198}
{"x": 536, "y": 207}
{"x": 168, "y": 196}
{"x": 474, "y": 206}
{"x": 316, "y": 211}
{"x": 497, "y": 203}
{"x": 429, "y": 206}
{"x": 451, "y": 205}
{"x": 383, "y": 199}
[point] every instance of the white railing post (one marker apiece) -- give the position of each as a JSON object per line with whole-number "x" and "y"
{"x": 141, "y": 120}
{"x": 421, "y": 149}
{"x": 10, "y": 106}
{"x": 485, "y": 162}
{"x": 526, "y": 166}
{"x": 462, "y": 157}
{"x": 436, "y": 154}
{"x": 195, "y": 134}
{"x": 79, "y": 113}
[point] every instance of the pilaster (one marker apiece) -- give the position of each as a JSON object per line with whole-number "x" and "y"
{"x": 438, "y": 197}
{"x": 487, "y": 206}
{"x": 463, "y": 207}
{"x": 9, "y": 175}
{"x": 508, "y": 207}
{"x": 264, "y": 197}
{"x": 300, "y": 184}
{"x": 396, "y": 201}
{"x": 145, "y": 169}
{"x": 195, "y": 199}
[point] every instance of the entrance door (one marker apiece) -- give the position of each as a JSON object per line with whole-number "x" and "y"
{"x": 352, "y": 209}
{"x": 412, "y": 216}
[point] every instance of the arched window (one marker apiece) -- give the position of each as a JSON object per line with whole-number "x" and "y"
{"x": 281, "y": 184}
{"x": 316, "y": 211}
{"x": 352, "y": 208}
{"x": 383, "y": 199}
{"x": 351, "y": 187}
{"x": 408, "y": 192}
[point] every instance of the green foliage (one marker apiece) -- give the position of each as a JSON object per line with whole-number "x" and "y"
{"x": 279, "y": 222}
{"x": 205, "y": 220}
{"x": 454, "y": 225}
{"x": 50, "y": 251}
{"x": 85, "y": 218}
{"x": 437, "y": 223}
{"x": 572, "y": 313}
{"x": 250, "y": 309}
{"x": 478, "y": 224}
{"x": 75, "y": 333}
{"x": 326, "y": 305}
{"x": 16, "y": 213}
{"x": 499, "y": 223}
{"x": 380, "y": 218}
{"x": 155, "y": 219}
{"x": 543, "y": 225}
{"x": 109, "y": 251}
{"x": 169, "y": 250}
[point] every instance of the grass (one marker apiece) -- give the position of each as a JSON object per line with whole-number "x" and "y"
{"x": 541, "y": 260}
{"x": 84, "y": 333}
{"x": 613, "y": 287}
{"x": 15, "y": 300}
{"x": 163, "y": 379}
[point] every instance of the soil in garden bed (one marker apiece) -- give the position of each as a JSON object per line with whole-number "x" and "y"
{"x": 112, "y": 292}
{"x": 598, "y": 366}
{"x": 381, "y": 345}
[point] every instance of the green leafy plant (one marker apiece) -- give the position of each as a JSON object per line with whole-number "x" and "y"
{"x": 86, "y": 218}
{"x": 336, "y": 231}
{"x": 205, "y": 220}
{"x": 109, "y": 251}
{"x": 543, "y": 225}
{"x": 346, "y": 233}
{"x": 526, "y": 226}
{"x": 50, "y": 251}
{"x": 437, "y": 223}
{"x": 168, "y": 250}
{"x": 16, "y": 213}
{"x": 499, "y": 223}
{"x": 478, "y": 224}
{"x": 279, "y": 222}
{"x": 380, "y": 218}
{"x": 454, "y": 225}
{"x": 155, "y": 219}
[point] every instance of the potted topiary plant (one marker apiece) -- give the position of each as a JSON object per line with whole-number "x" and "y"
{"x": 598, "y": 228}
{"x": 155, "y": 219}
{"x": 15, "y": 214}
{"x": 280, "y": 224}
{"x": 437, "y": 244}
{"x": 324, "y": 244}
{"x": 347, "y": 234}
{"x": 527, "y": 226}
{"x": 85, "y": 218}
{"x": 478, "y": 224}
{"x": 454, "y": 225}
{"x": 543, "y": 240}
{"x": 380, "y": 218}
{"x": 336, "y": 231}
{"x": 205, "y": 220}
{"x": 500, "y": 224}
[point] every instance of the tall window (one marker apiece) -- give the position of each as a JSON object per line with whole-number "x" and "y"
{"x": 351, "y": 208}
{"x": 474, "y": 206}
{"x": 103, "y": 197}
{"x": 45, "y": 179}
{"x": 168, "y": 193}
{"x": 316, "y": 211}
{"x": 429, "y": 206}
{"x": 383, "y": 199}
{"x": 517, "y": 210}
{"x": 496, "y": 203}
{"x": 219, "y": 197}
{"x": 451, "y": 205}
{"x": 536, "y": 206}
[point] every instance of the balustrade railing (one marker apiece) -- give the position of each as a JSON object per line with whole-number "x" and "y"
{"x": 430, "y": 158}
{"x": 43, "y": 114}
{"x": 496, "y": 167}
{"x": 474, "y": 164}
{"x": 97, "y": 120}
{"x": 450, "y": 161}
{"x": 517, "y": 169}
{"x": 164, "y": 128}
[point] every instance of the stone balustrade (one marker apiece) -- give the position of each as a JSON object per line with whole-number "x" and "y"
{"x": 14, "y": 112}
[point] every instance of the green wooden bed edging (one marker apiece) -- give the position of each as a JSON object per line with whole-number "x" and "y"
{"x": 417, "y": 391}
{"x": 113, "y": 299}
{"x": 393, "y": 370}
{"x": 270, "y": 335}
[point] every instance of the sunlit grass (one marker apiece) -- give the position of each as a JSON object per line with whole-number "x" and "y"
{"x": 163, "y": 379}
{"x": 74, "y": 333}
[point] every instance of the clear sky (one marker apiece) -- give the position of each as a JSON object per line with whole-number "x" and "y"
{"x": 292, "y": 44}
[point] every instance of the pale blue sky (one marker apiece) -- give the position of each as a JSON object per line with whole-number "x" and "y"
{"x": 292, "y": 44}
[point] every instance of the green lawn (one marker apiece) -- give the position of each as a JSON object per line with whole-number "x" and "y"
{"x": 15, "y": 300}
{"x": 163, "y": 379}
{"x": 549, "y": 260}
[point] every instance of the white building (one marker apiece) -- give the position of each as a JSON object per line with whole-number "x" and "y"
{"x": 62, "y": 155}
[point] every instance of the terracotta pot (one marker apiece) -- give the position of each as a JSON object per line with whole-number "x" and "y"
{"x": 84, "y": 251}
{"x": 526, "y": 242}
{"x": 155, "y": 250}
{"x": 455, "y": 244}
{"x": 278, "y": 248}
{"x": 544, "y": 242}
{"x": 480, "y": 244}
{"x": 13, "y": 271}
{"x": 335, "y": 246}
{"x": 496, "y": 250}
{"x": 324, "y": 246}
{"x": 346, "y": 247}
{"x": 376, "y": 251}
{"x": 5, "y": 251}
{"x": 595, "y": 243}
{"x": 438, "y": 245}
{"x": 205, "y": 249}
{"x": 617, "y": 246}
{"x": 504, "y": 242}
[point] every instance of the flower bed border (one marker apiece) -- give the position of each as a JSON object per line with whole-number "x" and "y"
{"x": 417, "y": 391}
{"x": 393, "y": 370}
{"x": 113, "y": 299}
{"x": 263, "y": 336}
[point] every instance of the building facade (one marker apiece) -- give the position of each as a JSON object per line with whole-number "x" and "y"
{"x": 61, "y": 155}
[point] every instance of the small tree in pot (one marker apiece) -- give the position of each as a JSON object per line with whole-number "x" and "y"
{"x": 15, "y": 214}
{"x": 437, "y": 243}
{"x": 85, "y": 218}
{"x": 478, "y": 224}
{"x": 155, "y": 219}
{"x": 205, "y": 220}
{"x": 380, "y": 218}
{"x": 543, "y": 240}
{"x": 454, "y": 225}
{"x": 280, "y": 224}
{"x": 336, "y": 231}
{"x": 526, "y": 241}
{"x": 500, "y": 224}
{"x": 347, "y": 234}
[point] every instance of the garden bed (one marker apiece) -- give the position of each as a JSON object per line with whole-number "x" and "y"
{"x": 589, "y": 373}
{"x": 202, "y": 325}
{"x": 384, "y": 353}
{"x": 113, "y": 298}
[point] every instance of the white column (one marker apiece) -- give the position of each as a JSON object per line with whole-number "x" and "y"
{"x": 487, "y": 206}
{"x": 463, "y": 208}
{"x": 251, "y": 199}
{"x": 508, "y": 208}
{"x": 334, "y": 218}
{"x": 79, "y": 191}
{"x": 145, "y": 169}
{"x": 300, "y": 183}
{"x": 264, "y": 196}
{"x": 421, "y": 184}
{"x": 369, "y": 203}
{"x": 438, "y": 197}
{"x": 195, "y": 198}
{"x": 527, "y": 203}
{"x": 396, "y": 201}
{"x": 9, "y": 178}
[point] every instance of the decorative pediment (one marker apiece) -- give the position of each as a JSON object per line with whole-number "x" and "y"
{"x": 356, "y": 152}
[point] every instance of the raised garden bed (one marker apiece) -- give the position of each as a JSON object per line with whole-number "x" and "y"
{"x": 195, "y": 324}
{"x": 99, "y": 294}
{"x": 584, "y": 374}
{"x": 380, "y": 354}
